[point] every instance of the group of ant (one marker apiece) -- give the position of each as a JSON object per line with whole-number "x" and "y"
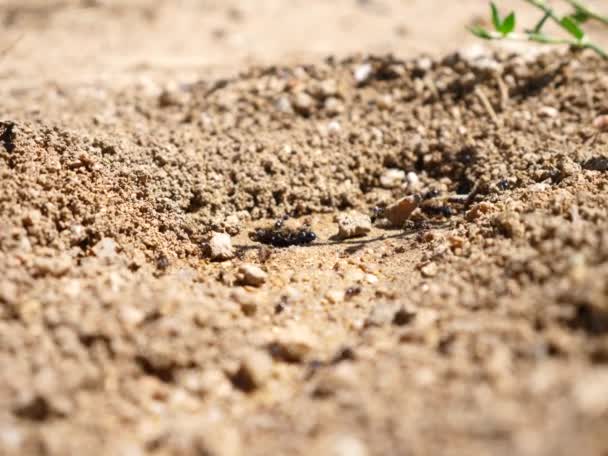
{"x": 278, "y": 235}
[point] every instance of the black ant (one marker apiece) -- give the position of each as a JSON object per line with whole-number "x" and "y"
{"x": 280, "y": 236}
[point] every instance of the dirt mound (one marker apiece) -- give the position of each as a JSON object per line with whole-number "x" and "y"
{"x": 481, "y": 326}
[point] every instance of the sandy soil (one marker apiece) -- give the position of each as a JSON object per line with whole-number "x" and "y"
{"x": 131, "y": 132}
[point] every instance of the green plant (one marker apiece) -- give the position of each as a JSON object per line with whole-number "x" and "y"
{"x": 572, "y": 24}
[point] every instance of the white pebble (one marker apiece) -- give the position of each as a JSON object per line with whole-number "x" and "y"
{"x": 250, "y": 274}
{"x": 392, "y": 178}
{"x": 220, "y": 247}
{"x": 362, "y": 73}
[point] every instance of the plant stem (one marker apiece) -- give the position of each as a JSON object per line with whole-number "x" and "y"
{"x": 550, "y": 14}
{"x": 537, "y": 28}
{"x": 544, "y": 39}
{"x": 579, "y": 6}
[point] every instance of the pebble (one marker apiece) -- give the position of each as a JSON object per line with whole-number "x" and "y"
{"x": 254, "y": 370}
{"x": 170, "y": 97}
{"x": 303, "y": 103}
{"x": 362, "y": 73}
{"x": 341, "y": 377}
{"x": 342, "y": 445}
{"x": 249, "y": 302}
{"x": 105, "y": 249}
{"x": 12, "y": 439}
{"x": 250, "y": 274}
{"x": 413, "y": 181}
{"x": 424, "y": 64}
{"x": 284, "y": 105}
{"x": 429, "y": 270}
{"x": 392, "y": 178}
{"x": 232, "y": 224}
{"x": 353, "y": 224}
{"x": 382, "y": 313}
{"x": 335, "y": 296}
{"x": 333, "y": 127}
{"x": 591, "y": 393}
{"x": 131, "y": 316}
{"x": 398, "y": 212}
{"x": 296, "y": 341}
{"x": 8, "y": 292}
{"x": 220, "y": 247}
{"x": 333, "y": 106}
{"x": 371, "y": 279}
{"x": 601, "y": 122}
{"x": 291, "y": 294}
{"x": 55, "y": 267}
{"x": 480, "y": 209}
{"x": 548, "y": 112}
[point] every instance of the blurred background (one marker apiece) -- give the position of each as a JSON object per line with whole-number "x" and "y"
{"x": 74, "y": 40}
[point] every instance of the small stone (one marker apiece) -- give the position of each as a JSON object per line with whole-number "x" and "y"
{"x": 362, "y": 73}
{"x": 220, "y": 247}
{"x": 548, "y": 112}
{"x": 170, "y": 97}
{"x": 28, "y": 310}
{"x": 342, "y": 445}
{"x": 333, "y": 127}
{"x": 284, "y": 105}
{"x": 371, "y": 279}
{"x": 591, "y": 393}
{"x": 55, "y": 267}
{"x": 232, "y": 224}
{"x": 12, "y": 439}
{"x": 291, "y": 295}
{"x": 338, "y": 378}
{"x": 539, "y": 187}
{"x": 32, "y": 218}
{"x": 131, "y": 316}
{"x": 429, "y": 270}
{"x": 424, "y": 64}
{"x": 568, "y": 167}
{"x": 8, "y": 292}
{"x": 254, "y": 370}
{"x": 77, "y": 233}
{"x": 250, "y": 274}
{"x": 335, "y": 296}
{"x": 392, "y": 178}
{"x": 328, "y": 88}
{"x": 509, "y": 224}
{"x": 398, "y": 212}
{"x": 385, "y": 102}
{"x": 413, "y": 181}
{"x": 105, "y": 249}
{"x": 249, "y": 302}
{"x": 333, "y": 106}
{"x": 601, "y": 122}
{"x": 303, "y": 103}
{"x": 354, "y": 275}
{"x": 382, "y": 313}
{"x": 353, "y": 224}
{"x": 295, "y": 342}
{"x": 479, "y": 210}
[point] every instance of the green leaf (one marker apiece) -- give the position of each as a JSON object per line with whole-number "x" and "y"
{"x": 480, "y": 32}
{"x": 580, "y": 16}
{"x": 508, "y": 24}
{"x": 572, "y": 28}
{"x": 496, "y": 16}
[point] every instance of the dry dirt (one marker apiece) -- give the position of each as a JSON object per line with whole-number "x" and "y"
{"x": 131, "y": 131}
